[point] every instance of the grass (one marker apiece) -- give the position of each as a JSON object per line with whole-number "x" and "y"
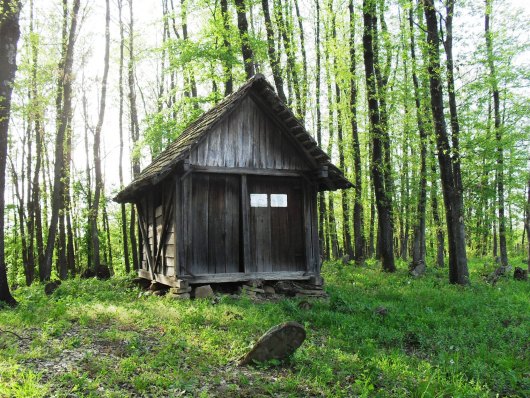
{"x": 105, "y": 339}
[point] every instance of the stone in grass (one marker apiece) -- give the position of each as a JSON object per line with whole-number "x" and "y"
{"x": 269, "y": 289}
{"x": 279, "y": 342}
{"x": 203, "y": 292}
{"x": 252, "y": 289}
{"x": 180, "y": 290}
{"x": 180, "y": 296}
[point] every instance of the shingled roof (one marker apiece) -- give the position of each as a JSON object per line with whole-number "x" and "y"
{"x": 179, "y": 150}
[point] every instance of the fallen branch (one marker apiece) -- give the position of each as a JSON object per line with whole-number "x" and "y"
{"x": 14, "y": 334}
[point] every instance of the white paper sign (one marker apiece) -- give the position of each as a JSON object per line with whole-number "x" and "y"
{"x": 258, "y": 200}
{"x": 278, "y": 200}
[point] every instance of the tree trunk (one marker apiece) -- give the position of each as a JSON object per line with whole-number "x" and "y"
{"x": 498, "y": 135}
{"x": 324, "y": 249}
{"x": 135, "y": 132}
{"x": 527, "y": 221}
{"x": 289, "y": 52}
{"x": 358, "y": 228}
{"x": 229, "y": 80}
{"x": 332, "y": 226}
{"x": 63, "y": 120}
{"x": 88, "y": 236}
{"x": 383, "y": 203}
{"x": 9, "y": 35}
{"x": 346, "y": 232}
{"x": 418, "y": 247}
{"x": 304, "y": 85}
{"x": 274, "y": 58}
{"x": 458, "y": 271}
{"x": 246, "y": 50}
{"x": 97, "y": 148}
{"x": 125, "y": 240}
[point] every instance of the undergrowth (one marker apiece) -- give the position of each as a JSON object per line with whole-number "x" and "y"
{"x": 378, "y": 334}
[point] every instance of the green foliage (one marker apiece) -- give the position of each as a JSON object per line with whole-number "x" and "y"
{"x": 435, "y": 340}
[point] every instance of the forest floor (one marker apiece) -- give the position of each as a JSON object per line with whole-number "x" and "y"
{"x": 107, "y": 339}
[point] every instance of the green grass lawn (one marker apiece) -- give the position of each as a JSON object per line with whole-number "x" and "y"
{"x": 94, "y": 338}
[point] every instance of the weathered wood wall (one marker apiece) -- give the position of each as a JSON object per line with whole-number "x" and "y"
{"x": 154, "y": 214}
{"x": 248, "y": 138}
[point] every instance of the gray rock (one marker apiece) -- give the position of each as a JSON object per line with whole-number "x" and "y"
{"x": 180, "y": 290}
{"x": 269, "y": 289}
{"x": 203, "y": 292}
{"x": 279, "y": 342}
{"x": 180, "y": 296}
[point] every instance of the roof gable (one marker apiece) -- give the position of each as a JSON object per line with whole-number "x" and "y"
{"x": 249, "y": 138}
{"x": 266, "y": 99}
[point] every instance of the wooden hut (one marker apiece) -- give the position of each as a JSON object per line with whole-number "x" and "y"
{"x": 234, "y": 197}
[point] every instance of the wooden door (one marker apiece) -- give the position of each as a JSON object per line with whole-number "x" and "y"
{"x": 276, "y": 224}
{"x": 215, "y": 224}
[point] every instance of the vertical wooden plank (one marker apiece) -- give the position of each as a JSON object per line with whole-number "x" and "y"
{"x": 314, "y": 231}
{"x": 194, "y": 155}
{"x": 232, "y": 209}
{"x": 199, "y": 222}
{"x": 214, "y": 153}
{"x": 307, "y": 227}
{"x": 248, "y": 265}
{"x": 186, "y": 225}
{"x": 260, "y": 228}
{"x": 216, "y": 224}
{"x": 177, "y": 226}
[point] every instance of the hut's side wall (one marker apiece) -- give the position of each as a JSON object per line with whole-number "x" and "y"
{"x": 248, "y": 138}
{"x": 155, "y": 216}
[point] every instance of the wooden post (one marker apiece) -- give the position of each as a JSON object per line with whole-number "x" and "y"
{"x": 245, "y": 216}
{"x": 307, "y": 229}
{"x": 178, "y": 235}
{"x": 314, "y": 229}
{"x": 186, "y": 220}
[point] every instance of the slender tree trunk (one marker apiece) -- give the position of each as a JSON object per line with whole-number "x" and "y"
{"x": 135, "y": 132}
{"x": 88, "y": 236}
{"x": 189, "y": 76}
{"x": 498, "y": 134}
{"x": 9, "y": 35}
{"x": 107, "y": 232}
{"x": 458, "y": 271}
{"x": 246, "y": 49}
{"x": 332, "y": 226}
{"x": 346, "y": 232}
{"x": 125, "y": 240}
{"x": 382, "y": 200}
{"x": 289, "y": 52}
{"x": 358, "y": 227}
{"x": 66, "y": 110}
{"x": 304, "y": 85}
{"x": 324, "y": 249}
{"x": 527, "y": 221}
{"x": 229, "y": 79}
{"x": 418, "y": 246}
{"x": 371, "y": 232}
{"x": 97, "y": 147}
{"x": 19, "y": 200}
{"x": 274, "y": 58}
